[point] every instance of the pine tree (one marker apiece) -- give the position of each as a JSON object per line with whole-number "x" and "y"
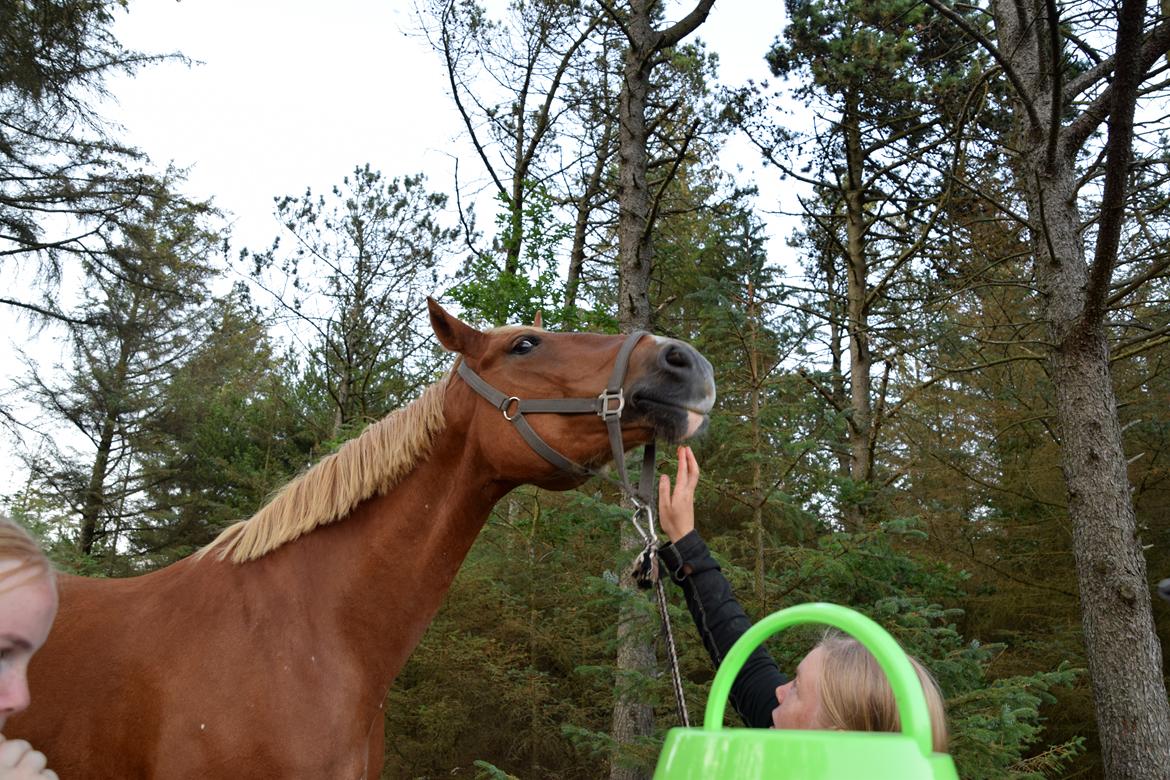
{"x": 136, "y": 322}
{"x": 352, "y": 286}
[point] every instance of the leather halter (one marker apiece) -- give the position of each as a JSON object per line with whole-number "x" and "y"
{"x": 608, "y": 405}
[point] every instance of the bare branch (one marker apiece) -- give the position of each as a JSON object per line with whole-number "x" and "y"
{"x": 448, "y": 58}
{"x": 685, "y": 26}
{"x": 1078, "y": 131}
{"x": 1126, "y": 77}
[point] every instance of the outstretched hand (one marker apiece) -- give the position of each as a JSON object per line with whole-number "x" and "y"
{"x": 676, "y": 508}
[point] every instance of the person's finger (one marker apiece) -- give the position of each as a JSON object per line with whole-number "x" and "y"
{"x": 663, "y": 493}
{"x": 49, "y": 774}
{"x": 33, "y": 761}
{"x": 12, "y": 750}
{"x": 682, "y": 467}
{"x": 694, "y": 465}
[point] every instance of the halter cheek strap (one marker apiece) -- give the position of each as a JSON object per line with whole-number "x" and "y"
{"x": 608, "y": 405}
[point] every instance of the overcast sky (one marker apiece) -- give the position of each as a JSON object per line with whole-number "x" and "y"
{"x": 296, "y": 93}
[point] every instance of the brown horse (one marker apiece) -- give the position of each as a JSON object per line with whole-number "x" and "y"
{"x": 270, "y": 653}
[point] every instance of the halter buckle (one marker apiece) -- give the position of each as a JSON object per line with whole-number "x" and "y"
{"x": 607, "y": 412}
{"x": 507, "y": 404}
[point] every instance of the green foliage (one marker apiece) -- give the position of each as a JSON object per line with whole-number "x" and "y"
{"x": 231, "y": 431}
{"x": 504, "y": 668}
{"x": 886, "y": 55}
{"x": 42, "y": 514}
{"x": 490, "y": 772}
{"x": 489, "y": 292}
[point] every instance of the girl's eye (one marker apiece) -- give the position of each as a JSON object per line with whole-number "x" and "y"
{"x": 524, "y": 345}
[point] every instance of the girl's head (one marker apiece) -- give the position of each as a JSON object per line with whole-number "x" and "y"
{"x": 839, "y": 685}
{"x": 28, "y": 604}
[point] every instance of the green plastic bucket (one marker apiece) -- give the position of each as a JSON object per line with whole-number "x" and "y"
{"x": 715, "y": 753}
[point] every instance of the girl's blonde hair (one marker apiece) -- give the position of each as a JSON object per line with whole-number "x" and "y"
{"x": 17, "y": 544}
{"x": 856, "y": 696}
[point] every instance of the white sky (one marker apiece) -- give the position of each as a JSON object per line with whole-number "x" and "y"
{"x": 296, "y": 93}
{"x": 292, "y": 94}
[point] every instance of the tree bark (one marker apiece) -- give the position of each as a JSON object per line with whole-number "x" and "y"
{"x": 633, "y": 719}
{"x": 95, "y": 492}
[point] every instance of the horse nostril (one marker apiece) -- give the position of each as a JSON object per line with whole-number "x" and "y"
{"x": 677, "y": 357}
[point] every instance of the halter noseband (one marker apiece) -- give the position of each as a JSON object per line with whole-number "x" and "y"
{"x": 608, "y": 405}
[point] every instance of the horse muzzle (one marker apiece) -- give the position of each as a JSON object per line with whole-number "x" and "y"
{"x": 675, "y": 395}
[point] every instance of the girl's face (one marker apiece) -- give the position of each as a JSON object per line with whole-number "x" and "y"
{"x": 27, "y": 609}
{"x": 799, "y": 700}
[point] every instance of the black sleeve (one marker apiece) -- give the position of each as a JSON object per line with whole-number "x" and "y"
{"x": 721, "y": 620}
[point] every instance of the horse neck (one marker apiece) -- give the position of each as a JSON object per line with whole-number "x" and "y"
{"x": 379, "y": 575}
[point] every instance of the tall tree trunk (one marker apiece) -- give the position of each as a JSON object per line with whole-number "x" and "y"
{"x": 95, "y": 499}
{"x": 635, "y": 246}
{"x": 634, "y": 720}
{"x": 756, "y": 378}
{"x": 95, "y": 492}
{"x": 1121, "y": 646}
{"x": 860, "y": 418}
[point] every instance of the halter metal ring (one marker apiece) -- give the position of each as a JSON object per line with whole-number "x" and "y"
{"x": 507, "y": 403}
{"x": 605, "y": 412}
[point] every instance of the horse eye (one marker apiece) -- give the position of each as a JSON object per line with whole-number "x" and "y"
{"x": 524, "y": 345}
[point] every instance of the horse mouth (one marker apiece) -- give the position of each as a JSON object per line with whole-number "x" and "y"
{"x": 672, "y": 421}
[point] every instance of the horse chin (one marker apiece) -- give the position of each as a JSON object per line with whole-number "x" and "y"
{"x": 696, "y": 424}
{"x": 687, "y": 426}
{"x": 671, "y": 422}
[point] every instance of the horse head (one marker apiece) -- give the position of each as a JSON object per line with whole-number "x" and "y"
{"x": 667, "y": 390}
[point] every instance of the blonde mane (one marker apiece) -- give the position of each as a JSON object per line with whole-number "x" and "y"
{"x": 364, "y": 467}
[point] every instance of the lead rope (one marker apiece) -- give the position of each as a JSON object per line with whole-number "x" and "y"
{"x": 647, "y": 572}
{"x": 672, "y": 652}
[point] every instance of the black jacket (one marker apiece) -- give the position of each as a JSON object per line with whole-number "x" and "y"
{"x": 721, "y": 620}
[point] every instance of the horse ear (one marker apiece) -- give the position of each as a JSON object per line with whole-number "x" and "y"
{"x": 454, "y": 334}
{"x": 537, "y": 322}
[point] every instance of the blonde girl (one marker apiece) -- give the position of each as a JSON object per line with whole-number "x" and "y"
{"x": 838, "y": 685}
{"x": 28, "y": 604}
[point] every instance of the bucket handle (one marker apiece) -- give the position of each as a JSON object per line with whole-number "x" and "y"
{"x": 908, "y": 693}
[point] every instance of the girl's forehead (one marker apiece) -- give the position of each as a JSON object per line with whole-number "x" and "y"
{"x": 812, "y": 662}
